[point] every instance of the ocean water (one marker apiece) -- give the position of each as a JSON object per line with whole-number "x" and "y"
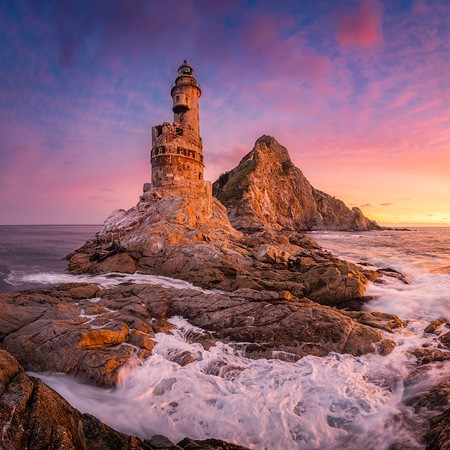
{"x": 27, "y": 250}
{"x": 333, "y": 402}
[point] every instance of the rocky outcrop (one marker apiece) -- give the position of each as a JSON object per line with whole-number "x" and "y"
{"x": 65, "y": 330}
{"x": 33, "y": 416}
{"x": 168, "y": 237}
{"x": 93, "y": 337}
{"x": 266, "y": 191}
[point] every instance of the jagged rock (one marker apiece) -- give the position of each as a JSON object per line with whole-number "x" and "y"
{"x": 172, "y": 236}
{"x": 437, "y": 437}
{"x": 266, "y": 190}
{"x": 208, "y": 444}
{"x": 445, "y": 339}
{"x": 428, "y": 355}
{"x": 433, "y": 406}
{"x": 383, "y": 321}
{"x": 208, "y": 252}
{"x": 393, "y": 273}
{"x": 433, "y": 326}
{"x": 58, "y": 331}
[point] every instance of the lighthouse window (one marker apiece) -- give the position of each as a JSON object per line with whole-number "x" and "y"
{"x": 178, "y": 98}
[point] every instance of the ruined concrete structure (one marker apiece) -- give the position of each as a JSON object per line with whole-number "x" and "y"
{"x": 177, "y": 148}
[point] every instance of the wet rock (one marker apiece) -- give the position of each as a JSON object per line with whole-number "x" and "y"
{"x": 428, "y": 355}
{"x": 332, "y": 284}
{"x": 33, "y": 416}
{"x": 51, "y": 332}
{"x": 445, "y": 339}
{"x": 214, "y": 255}
{"x": 433, "y": 326}
{"x": 208, "y": 444}
{"x": 392, "y": 273}
{"x": 296, "y": 326}
{"x": 438, "y": 437}
{"x": 161, "y": 442}
{"x": 141, "y": 340}
{"x": 383, "y": 321}
{"x": 433, "y": 406}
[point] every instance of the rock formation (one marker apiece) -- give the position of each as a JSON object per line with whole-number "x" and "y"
{"x": 171, "y": 238}
{"x": 91, "y": 333}
{"x": 266, "y": 190}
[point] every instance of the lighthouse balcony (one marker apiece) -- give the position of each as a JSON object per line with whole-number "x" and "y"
{"x": 180, "y": 107}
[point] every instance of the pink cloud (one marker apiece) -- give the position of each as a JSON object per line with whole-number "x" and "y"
{"x": 363, "y": 27}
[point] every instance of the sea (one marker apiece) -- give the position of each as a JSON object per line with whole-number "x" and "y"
{"x": 333, "y": 402}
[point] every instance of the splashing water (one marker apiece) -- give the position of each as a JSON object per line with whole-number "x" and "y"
{"x": 105, "y": 281}
{"x": 258, "y": 403}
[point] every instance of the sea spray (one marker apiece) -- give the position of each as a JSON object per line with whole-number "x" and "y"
{"x": 266, "y": 403}
{"x": 17, "y": 278}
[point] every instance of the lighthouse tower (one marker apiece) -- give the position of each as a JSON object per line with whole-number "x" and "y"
{"x": 177, "y": 148}
{"x": 185, "y": 94}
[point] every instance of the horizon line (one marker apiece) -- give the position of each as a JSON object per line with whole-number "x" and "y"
{"x": 382, "y": 224}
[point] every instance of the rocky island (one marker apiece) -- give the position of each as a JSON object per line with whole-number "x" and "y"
{"x": 251, "y": 276}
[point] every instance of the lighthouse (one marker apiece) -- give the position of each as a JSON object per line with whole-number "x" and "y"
{"x": 185, "y": 94}
{"x": 177, "y": 149}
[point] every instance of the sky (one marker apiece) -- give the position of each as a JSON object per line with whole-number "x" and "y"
{"x": 358, "y": 91}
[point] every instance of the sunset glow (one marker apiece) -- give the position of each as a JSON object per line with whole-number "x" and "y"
{"x": 358, "y": 92}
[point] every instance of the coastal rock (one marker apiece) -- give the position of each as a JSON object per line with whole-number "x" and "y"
{"x": 33, "y": 416}
{"x": 433, "y": 406}
{"x": 58, "y": 331}
{"x": 433, "y": 326}
{"x": 428, "y": 355}
{"x": 383, "y": 321}
{"x": 392, "y": 273}
{"x": 445, "y": 339}
{"x": 209, "y": 252}
{"x": 52, "y": 331}
{"x": 208, "y": 444}
{"x": 437, "y": 437}
{"x": 266, "y": 191}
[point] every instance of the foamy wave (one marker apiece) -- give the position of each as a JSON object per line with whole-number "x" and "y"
{"x": 105, "y": 281}
{"x": 333, "y": 402}
{"x": 427, "y": 297}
